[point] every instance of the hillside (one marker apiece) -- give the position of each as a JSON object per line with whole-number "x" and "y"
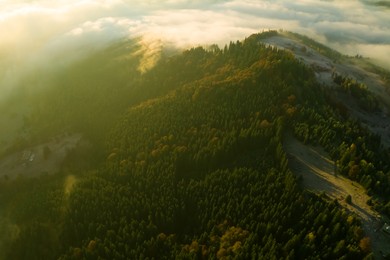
{"x": 188, "y": 159}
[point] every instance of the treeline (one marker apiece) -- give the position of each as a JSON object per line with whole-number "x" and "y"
{"x": 357, "y": 152}
{"x": 324, "y": 50}
{"x": 365, "y": 99}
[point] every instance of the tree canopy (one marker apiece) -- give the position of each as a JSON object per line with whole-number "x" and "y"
{"x": 188, "y": 162}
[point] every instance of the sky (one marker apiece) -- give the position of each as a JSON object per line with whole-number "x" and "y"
{"x": 39, "y": 32}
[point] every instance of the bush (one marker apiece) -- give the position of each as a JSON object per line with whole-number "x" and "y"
{"x": 348, "y": 199}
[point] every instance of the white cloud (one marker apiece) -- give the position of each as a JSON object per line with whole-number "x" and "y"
{"x": 34, "y": 32}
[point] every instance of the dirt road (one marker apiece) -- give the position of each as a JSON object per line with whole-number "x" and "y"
{"x": 317, "y": 170}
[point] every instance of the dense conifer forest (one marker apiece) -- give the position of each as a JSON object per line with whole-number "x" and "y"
{"x": 186, "y": 160}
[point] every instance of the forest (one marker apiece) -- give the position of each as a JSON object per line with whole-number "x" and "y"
{"x": 186, "y": 160}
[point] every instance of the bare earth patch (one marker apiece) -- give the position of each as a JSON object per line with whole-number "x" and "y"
{"x": 43, "y": 158}
{"x": 317, "y": 171}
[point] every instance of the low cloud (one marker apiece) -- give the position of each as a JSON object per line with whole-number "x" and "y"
{"x": 150, "y": 52}
{"x": 35, "y": 33}
{"x": 378, "y": 53}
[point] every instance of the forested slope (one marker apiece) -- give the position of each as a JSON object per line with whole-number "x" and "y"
{"x": 195, "y": 168}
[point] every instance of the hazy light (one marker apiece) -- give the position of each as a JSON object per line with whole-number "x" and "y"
{"x": 34, "y": 33}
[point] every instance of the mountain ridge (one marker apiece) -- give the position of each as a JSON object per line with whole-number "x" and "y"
{"x": 187, "y": 160}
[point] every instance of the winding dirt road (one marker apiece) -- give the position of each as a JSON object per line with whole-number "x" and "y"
{"x": 317, "y": 171}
